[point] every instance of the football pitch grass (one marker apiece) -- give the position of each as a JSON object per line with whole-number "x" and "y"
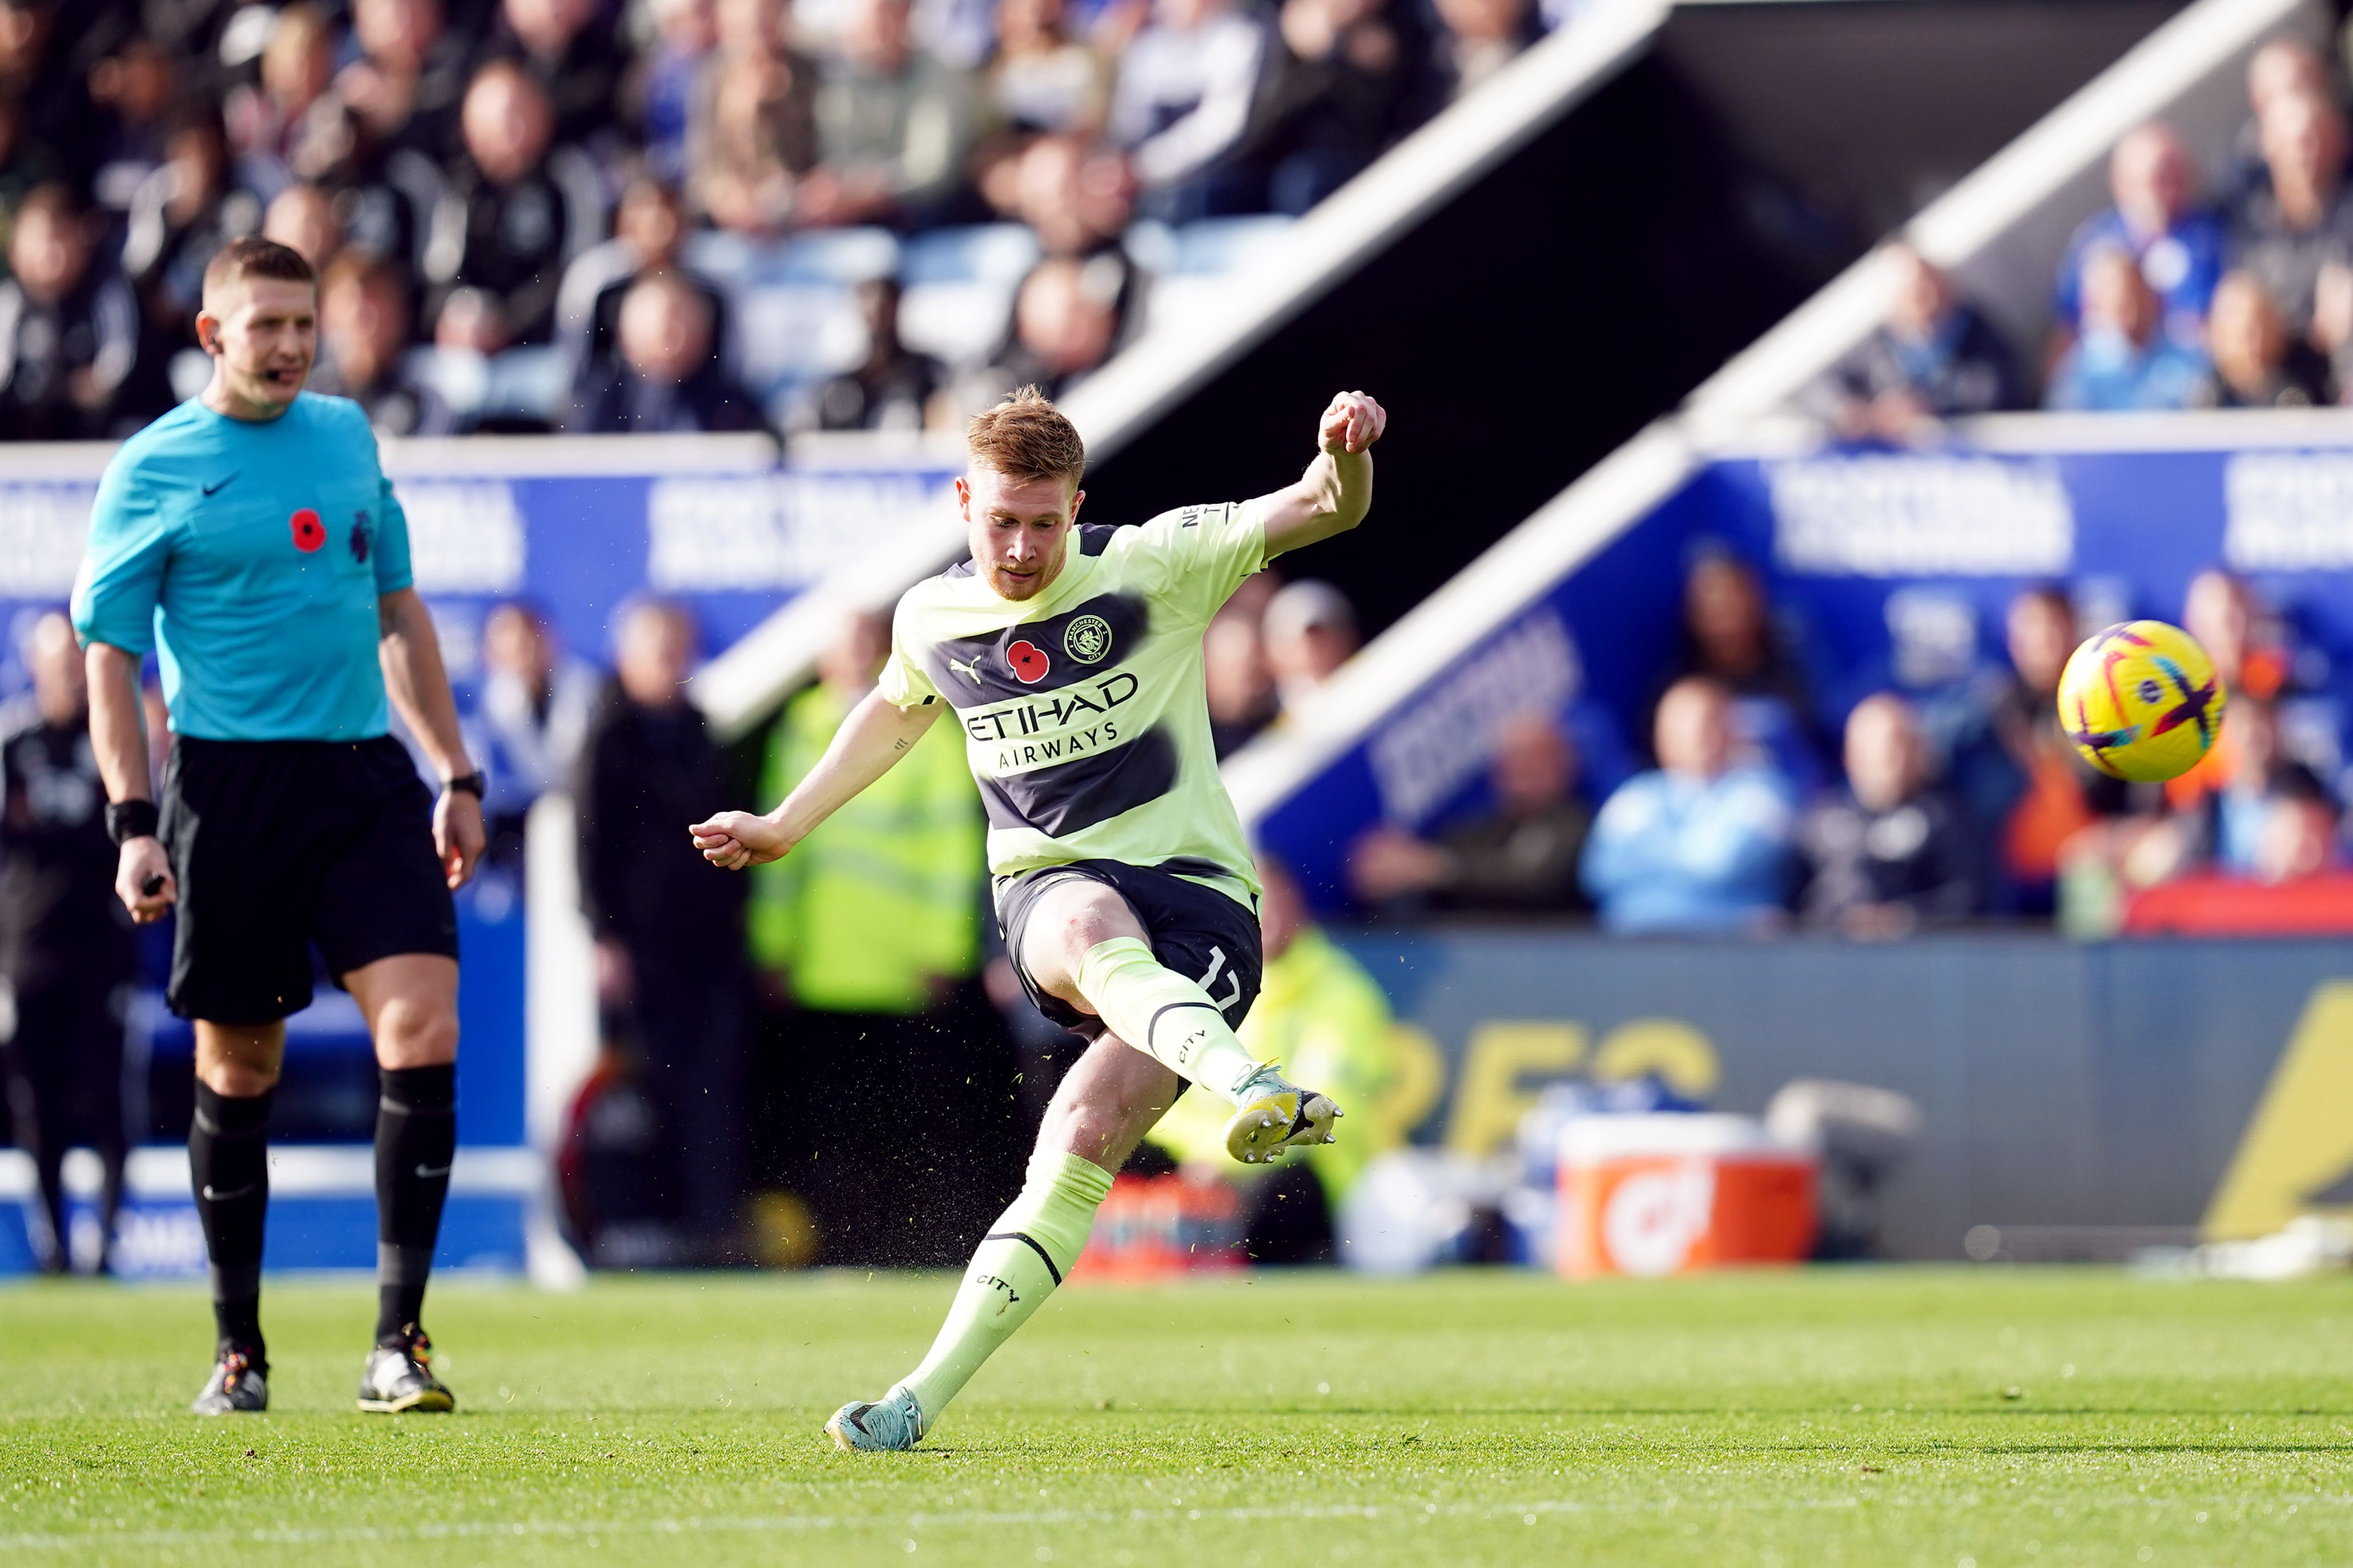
{"x": 1952, "y": 1418}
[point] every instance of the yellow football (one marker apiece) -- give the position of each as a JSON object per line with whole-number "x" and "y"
{"x": 2141, "y": 701}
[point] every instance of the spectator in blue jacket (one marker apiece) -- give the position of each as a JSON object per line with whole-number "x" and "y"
{"x": 1701, "y": 842}
{"x": 2125, "y": 360}
{"x": 2160, "y": 222}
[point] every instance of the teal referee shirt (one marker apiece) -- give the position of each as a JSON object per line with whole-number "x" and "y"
{"x": 251, "y": 554}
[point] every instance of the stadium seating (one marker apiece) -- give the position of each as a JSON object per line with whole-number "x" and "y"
{"x": 1190, "y": 265}
{"x": 960, "y": 284}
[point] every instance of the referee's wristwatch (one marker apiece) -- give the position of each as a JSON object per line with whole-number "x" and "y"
{"x": 469, "y": 784}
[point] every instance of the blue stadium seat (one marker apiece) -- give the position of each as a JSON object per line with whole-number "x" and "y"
{"x": 720, "y": 255}
{"x": 534, "y": 381}
{"x": 459, "y": 377}
{"x": 841, "y": 257}
{"x": 960, "y": 284}
{"x": 1151, "y": 245}
{"x": 1222, "y": 244}
{"x": 1191, "y": 266}
{"x": 795, "y": 318}
{"x": 796, "y": 331}
{"x": 987, "y": 252}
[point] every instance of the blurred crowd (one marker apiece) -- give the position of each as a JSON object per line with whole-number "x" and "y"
{"x": 738, "y": 1013}
{"x": 864, "y": 967}
{"x": 2222, "y": 287}
{"x": 674, "y": 215}
{"x": 1960, "y": 804}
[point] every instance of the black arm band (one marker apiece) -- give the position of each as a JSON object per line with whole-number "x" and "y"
{"x": 470, "y": 783}
{"x": 129, "y": 819}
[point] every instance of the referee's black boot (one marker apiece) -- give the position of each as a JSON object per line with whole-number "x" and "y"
{"x": 240, "y": 1383}
{"x": 399, "y": 1376}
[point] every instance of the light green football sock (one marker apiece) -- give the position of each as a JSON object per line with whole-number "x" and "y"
{"x": 1024, "y": 1256}
{"x": 1163, "y": 1013}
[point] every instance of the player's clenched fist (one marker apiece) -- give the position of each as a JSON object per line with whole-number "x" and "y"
{"x": 143, "y": 879}
{"x": 1353, "y": 422}
{"x": 734, "y": 840}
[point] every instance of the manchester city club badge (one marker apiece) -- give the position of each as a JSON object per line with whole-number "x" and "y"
{"x": 1088, "y": 640}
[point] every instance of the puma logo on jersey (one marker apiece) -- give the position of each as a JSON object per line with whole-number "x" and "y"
{"x": 970, "y": 671}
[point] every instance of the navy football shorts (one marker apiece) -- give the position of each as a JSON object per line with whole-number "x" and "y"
{"x": 1197, "y": 932}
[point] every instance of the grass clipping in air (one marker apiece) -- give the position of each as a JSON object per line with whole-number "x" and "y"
{"x": 1950, "y": 1419}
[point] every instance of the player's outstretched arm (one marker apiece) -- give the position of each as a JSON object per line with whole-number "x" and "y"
{"x": 877, "y": 733}
{"x": 1336, "y": 491}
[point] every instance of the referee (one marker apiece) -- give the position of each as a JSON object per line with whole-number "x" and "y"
{"x": 250, "y": 537}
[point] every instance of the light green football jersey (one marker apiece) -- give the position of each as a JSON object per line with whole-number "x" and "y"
{"x": 1086, "y": 719}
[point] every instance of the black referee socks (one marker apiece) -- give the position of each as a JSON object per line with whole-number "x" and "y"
{"x": 228, "y": 1165}
{"x": 416, "y": 1138}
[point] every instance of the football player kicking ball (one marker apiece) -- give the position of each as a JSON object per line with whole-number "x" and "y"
{"x": 250, "y": 537}
{"x": 1072, "y": 659}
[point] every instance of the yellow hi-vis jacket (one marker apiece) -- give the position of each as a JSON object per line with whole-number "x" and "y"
{"x": 886, "y": 894}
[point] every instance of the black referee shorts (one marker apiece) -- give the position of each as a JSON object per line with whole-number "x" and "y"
{"x": 1197, "y": 932}
{"x": 279, "y": 845}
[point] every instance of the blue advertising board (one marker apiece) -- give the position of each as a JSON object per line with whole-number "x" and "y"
{"x": 574, "y": 525}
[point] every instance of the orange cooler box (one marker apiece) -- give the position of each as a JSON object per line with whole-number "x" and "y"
{"x": 1672, "y": 1194}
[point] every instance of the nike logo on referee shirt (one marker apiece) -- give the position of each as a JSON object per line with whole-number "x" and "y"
{"x": 210, "y": 489}
{"x": 428, "y": 1176}
{"x": 212, "y": 1195}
